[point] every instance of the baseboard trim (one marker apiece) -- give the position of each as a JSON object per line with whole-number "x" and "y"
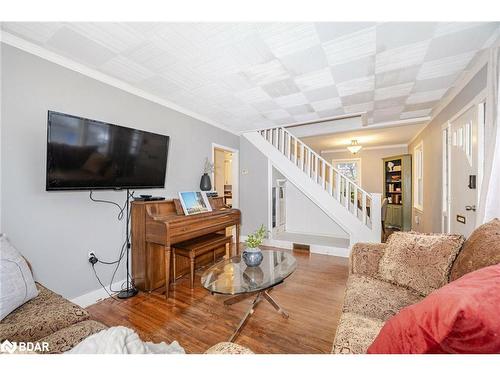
{"x": 97, "y": 295}
{"x": 315, "y": 249}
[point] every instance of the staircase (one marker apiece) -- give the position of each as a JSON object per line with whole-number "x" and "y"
{"x": 355, "y": 210}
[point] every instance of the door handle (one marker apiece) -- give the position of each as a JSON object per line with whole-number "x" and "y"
{"x": 470, "y": 208}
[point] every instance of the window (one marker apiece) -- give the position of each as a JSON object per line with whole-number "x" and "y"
{"x": 350, "y": 168}
{"x": 418, "y": 178}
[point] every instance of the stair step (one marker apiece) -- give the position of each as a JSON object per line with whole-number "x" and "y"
{"x": 313, "y": 239}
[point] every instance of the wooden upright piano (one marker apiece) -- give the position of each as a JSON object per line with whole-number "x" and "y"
{"x": 157, "y": 225}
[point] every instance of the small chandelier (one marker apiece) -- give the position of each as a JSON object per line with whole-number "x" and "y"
{"x": 354, "y": 148}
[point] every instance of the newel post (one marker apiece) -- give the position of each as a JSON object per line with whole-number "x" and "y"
{"x": 376, "y": 216}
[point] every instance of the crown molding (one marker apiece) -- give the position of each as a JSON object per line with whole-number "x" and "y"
{"x": 344, "y": 149}
{"x": 34, "y": 49}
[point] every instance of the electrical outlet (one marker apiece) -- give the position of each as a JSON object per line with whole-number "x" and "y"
{"x": 92, "y": 258}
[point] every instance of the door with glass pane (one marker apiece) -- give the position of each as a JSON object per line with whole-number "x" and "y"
{"x": 463, "y": 172}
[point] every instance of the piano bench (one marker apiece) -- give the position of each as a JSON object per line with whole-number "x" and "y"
{"x": 196, "y": 247}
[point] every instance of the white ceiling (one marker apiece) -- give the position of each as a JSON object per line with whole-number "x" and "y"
{"x": 245, "y": 76}
{"x": 366, "y": 137}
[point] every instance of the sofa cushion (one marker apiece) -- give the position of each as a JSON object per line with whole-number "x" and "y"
{"x": 66, "y": 338}
{"x": 365, "y": 258}
{"x": 355, "y": 333}
{"x": 40, "y": 317}
{"x": 16, "y": 281}
{"x": 461, "y": 317}
{"x": 481, "y": 249}
{"x": 376, "y": 298}
{"x": 419, "y": 261}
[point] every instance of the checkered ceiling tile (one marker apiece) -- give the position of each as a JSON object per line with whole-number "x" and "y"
{"x": 245, "y": 76}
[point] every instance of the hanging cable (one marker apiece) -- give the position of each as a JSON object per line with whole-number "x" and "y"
{"x": 123, "y": 249}
{"x": 120, "y": 208}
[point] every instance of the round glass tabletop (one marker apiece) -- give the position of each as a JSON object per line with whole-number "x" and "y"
{"x": 233, "y": 276}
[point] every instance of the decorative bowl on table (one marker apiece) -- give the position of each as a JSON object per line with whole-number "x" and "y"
{"x": 252, "y": 256}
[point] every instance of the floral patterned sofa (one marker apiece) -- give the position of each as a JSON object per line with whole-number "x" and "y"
{"x": 49, "y": 318}
{"x": 370, "y": 300}
{"x": 52, "y": 319}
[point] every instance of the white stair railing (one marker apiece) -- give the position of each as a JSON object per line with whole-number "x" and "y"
{"x": 347, "y": 192}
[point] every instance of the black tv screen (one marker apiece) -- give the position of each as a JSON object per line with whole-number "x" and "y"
{"x": 84, "y": 154}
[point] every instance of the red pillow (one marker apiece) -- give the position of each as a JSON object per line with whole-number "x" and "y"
{"x": 461, "y": 317}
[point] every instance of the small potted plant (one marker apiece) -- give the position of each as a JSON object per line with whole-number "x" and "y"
{"x": 206, "y": 183}
{"x": 252, "y": 255}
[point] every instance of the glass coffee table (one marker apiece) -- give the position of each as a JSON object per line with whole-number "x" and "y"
{"x": 233, "y": 277}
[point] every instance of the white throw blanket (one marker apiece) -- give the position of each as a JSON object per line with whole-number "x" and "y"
{"x": 122, "y": 340}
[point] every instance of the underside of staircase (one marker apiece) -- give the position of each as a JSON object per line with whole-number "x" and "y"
{"x": 356, "y": 211}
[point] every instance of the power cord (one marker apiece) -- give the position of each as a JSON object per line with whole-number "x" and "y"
{"x": 123, "y": 248}
{"x": 120, "y": 208}
{"x": 100, "y": 282}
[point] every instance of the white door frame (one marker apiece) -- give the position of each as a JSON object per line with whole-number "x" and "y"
{"x": 280, "y": 183}
{"x": 478, "y": 101}
{"x": 445, "y": 209}
{"x": 235, "y": 170}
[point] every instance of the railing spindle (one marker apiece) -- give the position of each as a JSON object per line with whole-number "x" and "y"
{"x": 330, "y": 178}
{"x": 282, "y": 141}
{"x": 295, "y": 151}
{"x": 323, "y": 177}
{"x": 308, "y": 162}
{"x": 302, "y": 157}
{"x": 363, "y": 207}
{"x": 347, "y": 195}
{"x": 290, "y": 151}
{"x": 316, "y": 165}
{"x": 355, "y": 200}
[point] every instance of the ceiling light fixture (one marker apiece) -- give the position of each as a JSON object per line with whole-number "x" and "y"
{"x": 354, "y": 148}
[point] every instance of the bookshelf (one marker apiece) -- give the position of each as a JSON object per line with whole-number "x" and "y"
{"x": 397, "y": 190}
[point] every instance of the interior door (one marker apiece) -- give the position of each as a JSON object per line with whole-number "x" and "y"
{"x": 463, "y": 171}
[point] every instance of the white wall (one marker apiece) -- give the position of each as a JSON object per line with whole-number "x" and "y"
{"x": 303, "y": 216}
{"x": 56, "y": 230}
{"x": 254, "y": 192}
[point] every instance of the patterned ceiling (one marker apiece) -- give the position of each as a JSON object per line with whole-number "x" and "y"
{"x": 246, "y": 76}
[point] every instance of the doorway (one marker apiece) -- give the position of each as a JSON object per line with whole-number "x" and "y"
{"x": 462, "y": 150}
{"x": 281, "y": 206}
{"x": 225, "y": 174}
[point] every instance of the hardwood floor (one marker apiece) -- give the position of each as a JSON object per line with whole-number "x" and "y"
{"x": 312, "y": 295}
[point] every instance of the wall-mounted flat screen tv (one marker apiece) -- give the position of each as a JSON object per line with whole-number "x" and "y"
{"x": 84, "y": 154}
